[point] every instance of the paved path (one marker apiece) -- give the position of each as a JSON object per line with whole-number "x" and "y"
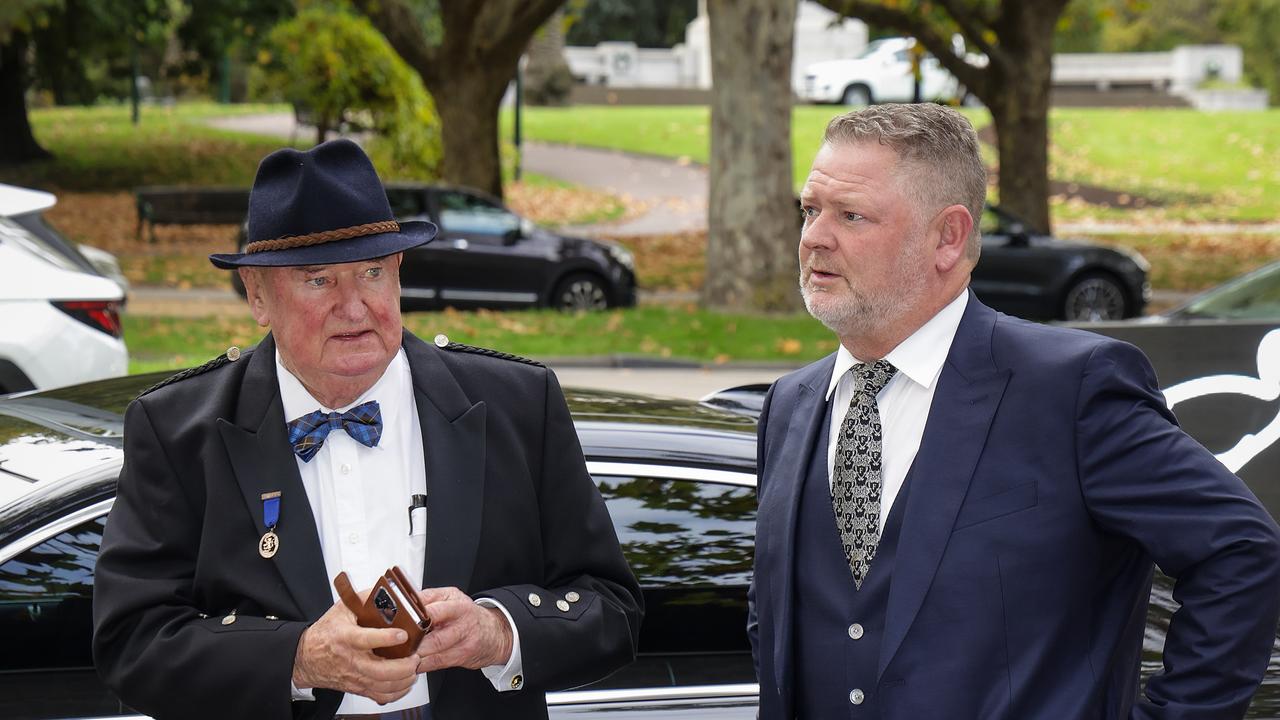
{"x": 675, "y": 194}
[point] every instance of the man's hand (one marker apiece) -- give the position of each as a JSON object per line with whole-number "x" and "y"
{"x": 336, "y": 653}
{"x": 463, "y": 634}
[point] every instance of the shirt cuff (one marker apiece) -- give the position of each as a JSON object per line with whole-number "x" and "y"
{"x": 505, "y": 678}
{"x": 295, "y": 694}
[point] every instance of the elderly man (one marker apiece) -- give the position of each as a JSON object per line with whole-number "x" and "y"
{"x": 959, "y": 510}
{"x": 343, "y": 443}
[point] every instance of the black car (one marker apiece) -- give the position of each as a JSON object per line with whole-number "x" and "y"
{"x": 486, "y": 256}
{"x": 678, "y": 478}
{"x": 1041, "y": 277}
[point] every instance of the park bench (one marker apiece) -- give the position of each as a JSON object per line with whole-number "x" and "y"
{"x": 176, "y": 205}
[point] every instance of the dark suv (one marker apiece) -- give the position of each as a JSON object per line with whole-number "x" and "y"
{"x": 486, "y": 256}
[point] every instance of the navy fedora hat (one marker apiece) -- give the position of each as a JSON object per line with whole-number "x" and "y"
{"x": 321, "y": 206}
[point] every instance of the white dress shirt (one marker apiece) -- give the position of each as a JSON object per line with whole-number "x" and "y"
{"x": 360, "y": 501}
{"x": 904, "y": 403}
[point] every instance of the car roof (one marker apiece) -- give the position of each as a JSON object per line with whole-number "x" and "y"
{"x": 70, "y": 439}
{"x": 16, "y": 200}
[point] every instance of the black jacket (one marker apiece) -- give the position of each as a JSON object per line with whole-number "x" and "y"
{"x": 512, "y": 511}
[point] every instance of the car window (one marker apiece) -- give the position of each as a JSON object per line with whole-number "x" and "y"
{"x": 14, "y": 234}
{"x": 46, "y": 620}
{"x": 1253, "y": 297}
{"x": 691, "y": 543}
{"x": 406, "y": 202}
{"x": 466, "y": 214}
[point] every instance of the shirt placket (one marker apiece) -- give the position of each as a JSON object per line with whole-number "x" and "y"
{"x": 353, "y": 526}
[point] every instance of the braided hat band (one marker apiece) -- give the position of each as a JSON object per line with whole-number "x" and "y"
{"x": 318, "y": 238}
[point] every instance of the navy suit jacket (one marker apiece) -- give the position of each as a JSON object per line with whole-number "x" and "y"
{"x": 1050, "y": 477}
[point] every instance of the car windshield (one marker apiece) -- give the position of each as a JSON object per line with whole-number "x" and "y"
{"x": 1253, "y": 297}
{"x": 873, "y": 47}
{"x": 13, "y": 233}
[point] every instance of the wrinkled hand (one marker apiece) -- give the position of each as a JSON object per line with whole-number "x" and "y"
{"x": 337, "y": 653}
{"x": 463, "y": 634}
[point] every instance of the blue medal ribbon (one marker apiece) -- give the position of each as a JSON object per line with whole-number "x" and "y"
{"x": 270, "y": 510}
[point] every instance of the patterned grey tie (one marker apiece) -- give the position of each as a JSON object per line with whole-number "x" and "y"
{"x": 855, "y": 487}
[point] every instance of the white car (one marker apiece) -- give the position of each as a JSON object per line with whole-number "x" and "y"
{"x": 882, "y": 73}
{"x": 59, "y": 322}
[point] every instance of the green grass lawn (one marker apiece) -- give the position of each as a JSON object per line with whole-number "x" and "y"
{"x": 163, "y": 343}
{"x": 1201, "y": 166}
{"x": 1209, "y": 166}
{"x": 98, "y": 149}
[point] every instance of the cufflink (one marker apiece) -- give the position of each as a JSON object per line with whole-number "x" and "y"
{"x": 534, "y": 600}
{"x": 517, "y": 681}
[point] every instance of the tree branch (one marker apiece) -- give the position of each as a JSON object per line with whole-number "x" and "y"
{"x": 972, "y": 77}
{"x": 398, "y": 25}
{"x": 971, "y": 25}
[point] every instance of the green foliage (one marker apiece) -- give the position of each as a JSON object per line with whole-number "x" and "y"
{"x": 647, "y": 23}
{"x": 1158, "y": 25}
{"x": 339, "y": 69}
{"x": 24, "y": 15}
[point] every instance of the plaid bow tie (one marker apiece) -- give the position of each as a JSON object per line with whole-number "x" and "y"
{"x": 362, "y": 422}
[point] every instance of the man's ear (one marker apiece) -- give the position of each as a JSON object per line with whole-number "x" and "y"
{"x": 953, "y": 226}
{"x": 254, "y": 288}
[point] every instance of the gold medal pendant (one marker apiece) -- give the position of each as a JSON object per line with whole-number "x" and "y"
{"x": 269, "y": 544}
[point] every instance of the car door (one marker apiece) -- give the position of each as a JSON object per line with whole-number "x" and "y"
{"x": 1018, "y": 273}
{"x": 897, "y": 83}
{"x": 46, "y": 610}
{"x": 486, "y": 257}
{"x": 688, "y": 534}
{"x": 421, "y": 271}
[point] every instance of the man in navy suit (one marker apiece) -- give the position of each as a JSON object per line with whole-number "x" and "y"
{"x": 959, "y": 510}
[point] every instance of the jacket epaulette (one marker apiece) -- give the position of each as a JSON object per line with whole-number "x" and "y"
{"x": 444, "y": 343}
{"x": 232, "y": 354}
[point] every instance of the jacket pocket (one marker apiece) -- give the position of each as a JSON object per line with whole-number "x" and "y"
{"x": 1002, "y": 503}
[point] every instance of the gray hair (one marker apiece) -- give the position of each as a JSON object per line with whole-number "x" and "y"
{"x": 937, "y": 144}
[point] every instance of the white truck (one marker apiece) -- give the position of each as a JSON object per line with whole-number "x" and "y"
{"x": 882, "y": 73}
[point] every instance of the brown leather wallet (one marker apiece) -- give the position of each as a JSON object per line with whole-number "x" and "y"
{"x": 391, "y": 603}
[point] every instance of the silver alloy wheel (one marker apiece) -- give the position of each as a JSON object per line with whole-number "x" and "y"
{"x": 581, "y": 293}
{"x": 1094, "y": 297}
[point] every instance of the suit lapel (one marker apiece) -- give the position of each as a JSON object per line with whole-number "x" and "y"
{"x": 969, "y": 391}
{"x": 257, "y": 443}
{"x": 453, "y": 440}
{"x": 793, "y": 460}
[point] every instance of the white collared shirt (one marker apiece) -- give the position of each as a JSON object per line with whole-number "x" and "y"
{"x": 903, "y": 403}
{"x": 360, "y": 500}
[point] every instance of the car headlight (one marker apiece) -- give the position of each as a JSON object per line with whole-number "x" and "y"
{"x": 623, "y": 256}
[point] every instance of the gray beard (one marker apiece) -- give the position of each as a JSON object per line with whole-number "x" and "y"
{"x": 860, "y": 314}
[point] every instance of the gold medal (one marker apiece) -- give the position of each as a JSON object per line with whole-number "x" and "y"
{"x": 269, "y": 544}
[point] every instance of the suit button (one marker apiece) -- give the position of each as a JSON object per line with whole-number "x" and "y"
{"x": 855, "y": 631}
{"x": 562, "y": 605}
{"x": 229, "y": 619}
{"x": 572, "y": 596}
{"x": 534, "y": 600}
{"x": 856, "y": 696}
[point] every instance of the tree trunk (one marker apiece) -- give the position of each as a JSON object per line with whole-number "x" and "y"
{"x": 467, "y": 72}
{"x": 468, "y": 108}
{"x": 752, "y": 230}
{"x": 18, "y": 144}
{"x": 1021, "y": 117}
